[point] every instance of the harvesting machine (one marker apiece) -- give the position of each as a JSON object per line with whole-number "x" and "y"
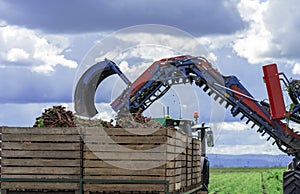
{"x": 269, "y": 117}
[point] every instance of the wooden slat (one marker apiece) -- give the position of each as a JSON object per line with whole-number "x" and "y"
{"x": 40, "y": 162}
{"x": 128, "y": 139}
{"x": 120, "y": 171}
{"x": 40, "y": 170}
{"x": 124, "y": 187}
{"x": 173, "y": 164}
{"x": 38, "y": 185}
{"x": 40, "y": 154}
{"x": 40, "y": 146}
{"x": 125, "y": 148}
{"x": 66, "y": 176}
{"x": 137, "y": 131}
{"x": 135, "y": 164}
{"x": 45, "y": 131}
{"x": 127, "y": 131}
{"x": 40, "y": 138}
{"x": 123, "y": 177}
{"x": 124, "y": 156}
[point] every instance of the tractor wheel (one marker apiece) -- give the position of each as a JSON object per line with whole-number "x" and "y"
{"x": 291, "y": 182}
{"x": 205, "y": 172}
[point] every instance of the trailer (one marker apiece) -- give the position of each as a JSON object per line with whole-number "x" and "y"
{"x": 76, "y": 160}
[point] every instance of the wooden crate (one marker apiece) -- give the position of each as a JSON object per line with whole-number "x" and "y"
{"x": 125, "y": 156}
{"x": 102, "y": 159}
{"x": 40, "y": 153}
{"x": 93, "y": 153}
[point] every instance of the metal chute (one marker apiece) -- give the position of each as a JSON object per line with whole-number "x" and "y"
{"x": 88, "y": 83}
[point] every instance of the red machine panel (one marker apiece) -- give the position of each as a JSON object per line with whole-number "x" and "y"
{"x": 272, "y": 80}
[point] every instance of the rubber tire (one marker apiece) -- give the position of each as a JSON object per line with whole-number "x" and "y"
{"x": 291, "y": 182}
{"x": 205, "y": 173}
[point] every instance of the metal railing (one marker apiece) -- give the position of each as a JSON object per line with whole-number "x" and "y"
{"x": 82, "y": 181}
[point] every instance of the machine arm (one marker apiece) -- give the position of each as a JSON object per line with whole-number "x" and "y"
{"x": 228, "y": 90}
{"x": 161, "y": 75}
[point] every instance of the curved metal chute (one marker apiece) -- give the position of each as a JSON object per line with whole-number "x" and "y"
{"x": 88, "y": 83}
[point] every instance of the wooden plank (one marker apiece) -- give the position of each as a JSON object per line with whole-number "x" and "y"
{"x": 123, "y": 177}
{"x": 196, "y": 147}
{"x": 171, "y": 179}
{"x": 135, "y": 164}
{"x": 173, "y": 164}
{"x": 128, "y": 139}
{"x": 40, "y": 146}
{"x": 172, "y": 187}
{"x": 176, "y": 143}
{"x": 119, "y": 171}
{"x": 124, "y": 156}
{"x": 177, "y": 178}
{"x": 41, "y": 170}
{"x": 174, "y": 172}
{"x": 45, "y": 131}
{"x": 123, "y": 187}
{"x": 128, "y": 131}
{"x": 125, "y": 148}
{"x": 66, "y": 176}
{"x": 135, "y": 131}
{"x": 38, "y": 185}
{"x": 196, "y": 163}
{"x": 40, "y": 154}
{"x": 40, "y": 162}
{"x": 40, "y": 138}
{"x": 175, "y": 149}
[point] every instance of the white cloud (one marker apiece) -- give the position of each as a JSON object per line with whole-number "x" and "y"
{"x": 272, "y": 34}
{"x": 235, "y": 126}
{"x": 213, "y": 42}
{"x": 133, "y": 71}
{"x": 211, "y": 57}
{"x": 105, "y": 111}
{"x": 296, "y": 68}
{"x": 166, "y": 45}
{"x": 27, "y": 47}
{"x": 265, "y": 148}
{"x": 255, "y": 43}
{"x": 17, "y": 54}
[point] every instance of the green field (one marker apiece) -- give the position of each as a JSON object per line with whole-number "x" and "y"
{"x": 246, "y": 180}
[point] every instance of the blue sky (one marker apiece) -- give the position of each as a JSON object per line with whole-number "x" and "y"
{"x": 44, "y": 44}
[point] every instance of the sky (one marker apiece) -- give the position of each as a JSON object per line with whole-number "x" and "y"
{"x": 46, "y": 45}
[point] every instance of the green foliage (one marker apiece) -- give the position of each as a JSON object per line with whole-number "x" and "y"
{"x": 40, "y": 122}
{"x": 246, "y": 180}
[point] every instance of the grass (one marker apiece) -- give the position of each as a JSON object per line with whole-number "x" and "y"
{"x": 245, "y": 180}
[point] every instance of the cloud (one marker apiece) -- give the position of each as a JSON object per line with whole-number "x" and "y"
{"x": 296, "y": 68}
{"x": 21, "y": 85}
{"x": 264, "y": 148}
{"x": 239, "y": 138}
{"x": 232, "y": 126}
{"x": 28, "y": 49}
{"x": 272, "y": 34}
{"x": 54, "y": 16}
{"x": 17, "y": 54}
{"x": 255, "y": 43}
